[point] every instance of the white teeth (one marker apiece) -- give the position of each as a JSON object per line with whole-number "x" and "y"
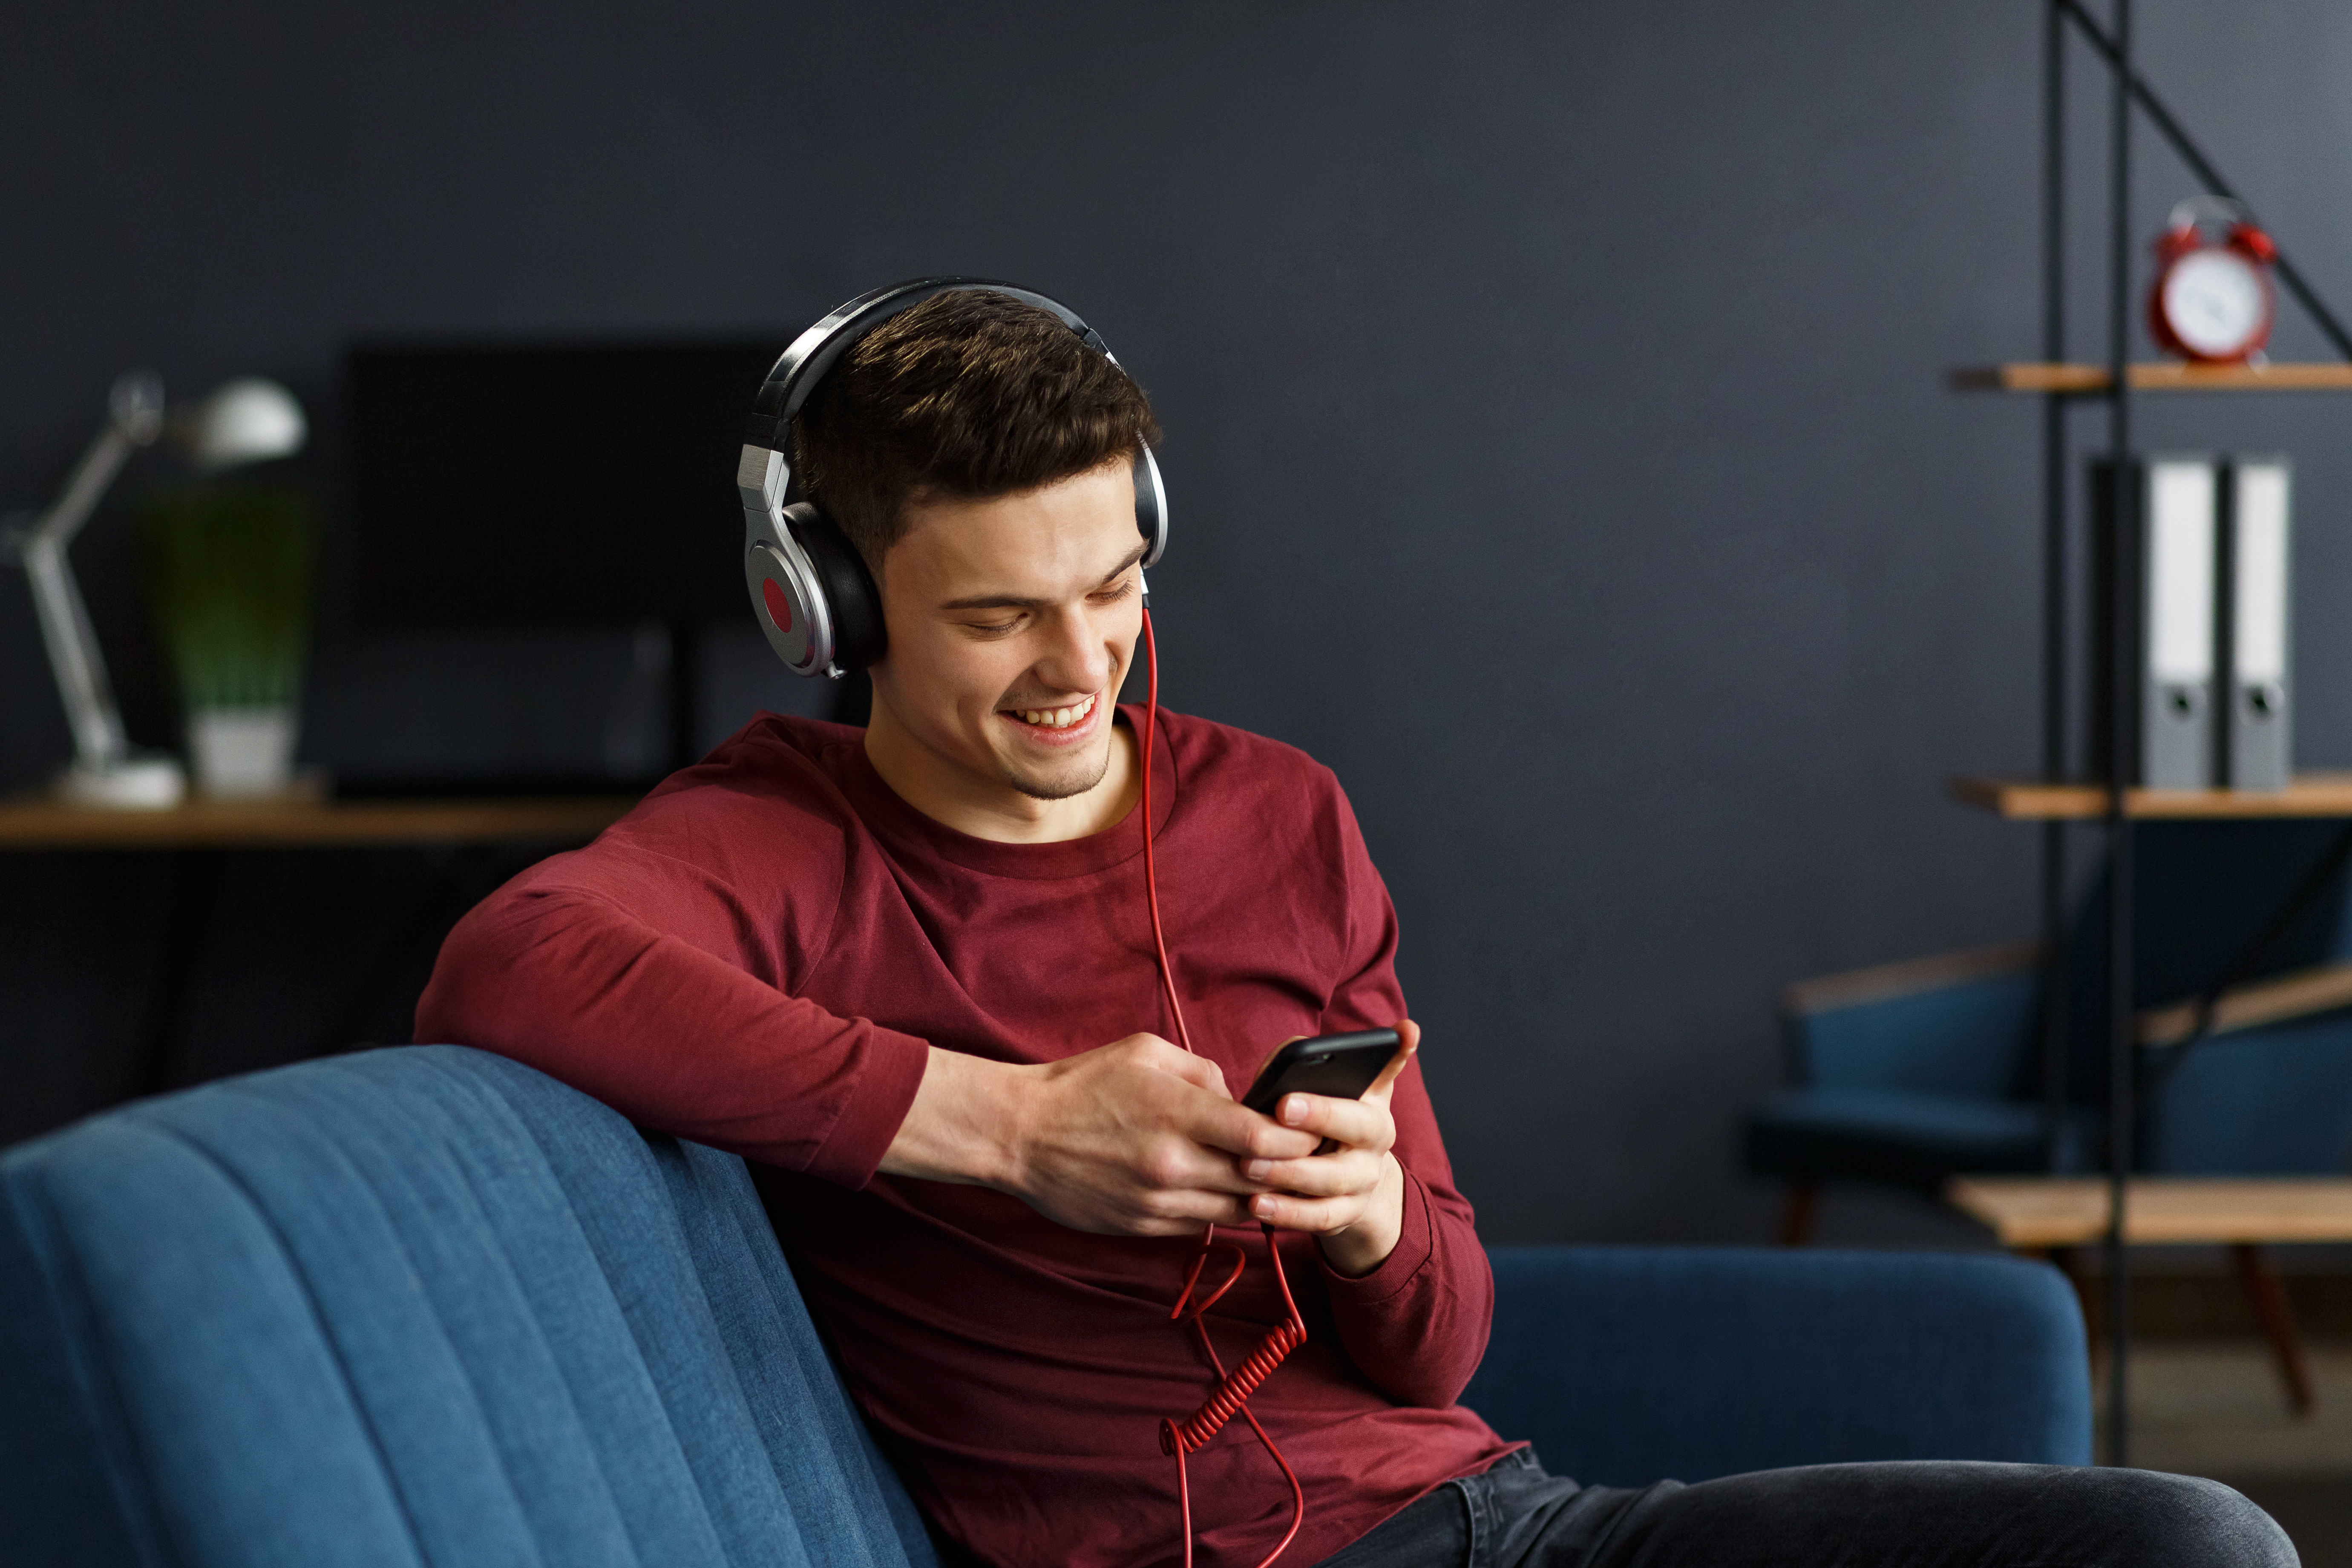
{"x": 1057, "y": 717}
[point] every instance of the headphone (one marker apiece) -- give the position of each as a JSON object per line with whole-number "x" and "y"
{"x": 810, "y": 589}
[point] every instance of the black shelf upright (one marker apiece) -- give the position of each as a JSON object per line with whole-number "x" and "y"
{"x": 2122, "y": 695}
{"x": 2054, "y": 581}
{"x": 2116, "y": 826}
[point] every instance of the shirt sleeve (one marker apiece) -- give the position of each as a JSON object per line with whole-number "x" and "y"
{"x": 652, "y": 1001}
{"x": 1417, "y": 1325}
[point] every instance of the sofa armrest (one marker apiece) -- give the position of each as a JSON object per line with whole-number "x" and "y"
{"x": 1626, "y": 1365}
{"x": 1956, "y": 1023}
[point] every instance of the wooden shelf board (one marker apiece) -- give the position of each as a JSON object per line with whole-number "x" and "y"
{"x": 2033, "y": 800}
{"x": 2158, "y": 376}
{"x": 2069, "y": 1211}
{"x": 44, "y": 824}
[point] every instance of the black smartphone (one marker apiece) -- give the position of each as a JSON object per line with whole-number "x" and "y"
{"x": 1340, "y": 1066}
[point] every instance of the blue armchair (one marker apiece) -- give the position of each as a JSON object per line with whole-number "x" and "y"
{"x": 1910, "y": 1073}
{"x": 426, "y": 1305}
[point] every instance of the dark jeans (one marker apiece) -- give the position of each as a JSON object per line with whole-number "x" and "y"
{"x": 1921, "y": 1514}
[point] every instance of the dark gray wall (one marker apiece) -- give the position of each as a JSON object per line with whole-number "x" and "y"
{"x": 1558, "y": 438}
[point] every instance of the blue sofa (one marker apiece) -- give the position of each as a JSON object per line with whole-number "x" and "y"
{"x": 426, "y": 1306}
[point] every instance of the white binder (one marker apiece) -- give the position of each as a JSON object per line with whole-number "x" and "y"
{"x": 2162, "y": 564}
{"x": 2255, "y": 727}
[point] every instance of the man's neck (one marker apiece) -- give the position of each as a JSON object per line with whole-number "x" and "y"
{"x": 956, "y": 796}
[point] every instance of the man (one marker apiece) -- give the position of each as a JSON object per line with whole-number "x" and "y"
{"x": 908, "y": 974}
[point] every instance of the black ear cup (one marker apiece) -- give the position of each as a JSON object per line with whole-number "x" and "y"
{"x": 859, "y": 635}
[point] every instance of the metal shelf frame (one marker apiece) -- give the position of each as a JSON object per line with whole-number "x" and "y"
{"x": 2112, "y": 43}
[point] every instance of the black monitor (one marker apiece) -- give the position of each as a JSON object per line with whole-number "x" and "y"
{"x": 513, "y": 485}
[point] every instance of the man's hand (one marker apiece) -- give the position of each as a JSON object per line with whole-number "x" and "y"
{"x": 1135, "y": 1137}
{"x": 1351, "y": 1199}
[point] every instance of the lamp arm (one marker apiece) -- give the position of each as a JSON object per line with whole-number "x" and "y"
{"x": 91, "y": 478}
{"x": 135, "y": 416}
{"x": 98, "y": 739}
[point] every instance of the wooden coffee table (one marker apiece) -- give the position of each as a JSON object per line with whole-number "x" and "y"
{"x": 2052, "y": 1216}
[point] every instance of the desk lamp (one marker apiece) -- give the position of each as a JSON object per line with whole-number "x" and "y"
{"x": 243, "y": 421}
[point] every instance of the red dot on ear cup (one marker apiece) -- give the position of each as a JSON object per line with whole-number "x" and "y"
{"x": 779, "y": 608}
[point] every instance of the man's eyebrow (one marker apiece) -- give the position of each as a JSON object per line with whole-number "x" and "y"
{"x": 1013, "y": 602}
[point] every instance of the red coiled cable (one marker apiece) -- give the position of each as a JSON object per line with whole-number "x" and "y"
{"x": 1233, "y": 1389}
{"x": 1232, "y": 1395}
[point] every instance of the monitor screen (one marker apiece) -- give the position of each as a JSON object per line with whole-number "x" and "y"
{"x": 571, "y": 485}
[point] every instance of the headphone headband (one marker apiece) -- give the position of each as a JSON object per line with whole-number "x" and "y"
{"x": 801, "y": 366}
{"x": 810, "y": 592}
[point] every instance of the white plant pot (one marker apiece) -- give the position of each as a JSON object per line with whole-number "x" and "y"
{"x": 242, "y": 754}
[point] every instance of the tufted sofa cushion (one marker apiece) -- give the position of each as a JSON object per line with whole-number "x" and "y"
{"x": 410, "y": 1307}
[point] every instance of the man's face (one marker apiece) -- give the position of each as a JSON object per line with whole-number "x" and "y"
{"x": 1011, "y": 622}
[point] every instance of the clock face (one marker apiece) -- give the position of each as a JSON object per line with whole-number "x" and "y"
{"x": 2214, "y": 301}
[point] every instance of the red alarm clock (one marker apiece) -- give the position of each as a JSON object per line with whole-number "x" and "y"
{"x": 2212, "y": 301}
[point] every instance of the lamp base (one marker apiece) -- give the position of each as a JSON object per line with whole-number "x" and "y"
{"x": 135, "y": 784}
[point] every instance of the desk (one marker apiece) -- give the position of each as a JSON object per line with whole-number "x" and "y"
{"x": 2053, "y": 1213}
{"x": 476, "y": 837}
{"x": 36, "y": 823}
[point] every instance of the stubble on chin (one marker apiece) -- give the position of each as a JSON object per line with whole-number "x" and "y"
{"x": 1082, "y": 776}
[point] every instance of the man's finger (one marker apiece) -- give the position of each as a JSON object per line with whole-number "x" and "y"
{"x": 1320, "y": 1176}
{"x": 1408, "y": 1042}
{"x": 1316, "y": 1215}
{"x": 1342, "y": 1120}
{"x": 1208, "y": 1171}
{"x": 1183, "y": 1212}
{"x": 1237, "y": 1218}
{"x": 1237, "y": 1129}
{"x": 1177, "y": 1062}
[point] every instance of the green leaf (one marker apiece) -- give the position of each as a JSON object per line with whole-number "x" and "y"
{"x": 229, "y": 573}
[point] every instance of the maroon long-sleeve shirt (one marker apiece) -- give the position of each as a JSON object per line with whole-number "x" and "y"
{"x": 756, "y": 957}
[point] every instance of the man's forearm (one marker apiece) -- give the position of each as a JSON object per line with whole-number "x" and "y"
{"x": 963, "y": 1125}
{"x": 1135, "y": 1138}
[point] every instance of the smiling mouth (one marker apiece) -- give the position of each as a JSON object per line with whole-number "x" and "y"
{"x": 1060, "y": 718}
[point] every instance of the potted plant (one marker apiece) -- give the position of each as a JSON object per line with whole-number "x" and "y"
{"x": 229, "y": 573}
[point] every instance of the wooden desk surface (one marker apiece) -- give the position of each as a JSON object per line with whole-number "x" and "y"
{"x": 37, "y": 823}
{"x": 2069, "y": 1211}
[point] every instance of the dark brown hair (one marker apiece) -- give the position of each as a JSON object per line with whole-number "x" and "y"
{"x": 969, "y": 393}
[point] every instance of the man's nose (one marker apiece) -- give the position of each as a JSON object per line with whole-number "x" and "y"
{"x": 1079, "y": 658}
